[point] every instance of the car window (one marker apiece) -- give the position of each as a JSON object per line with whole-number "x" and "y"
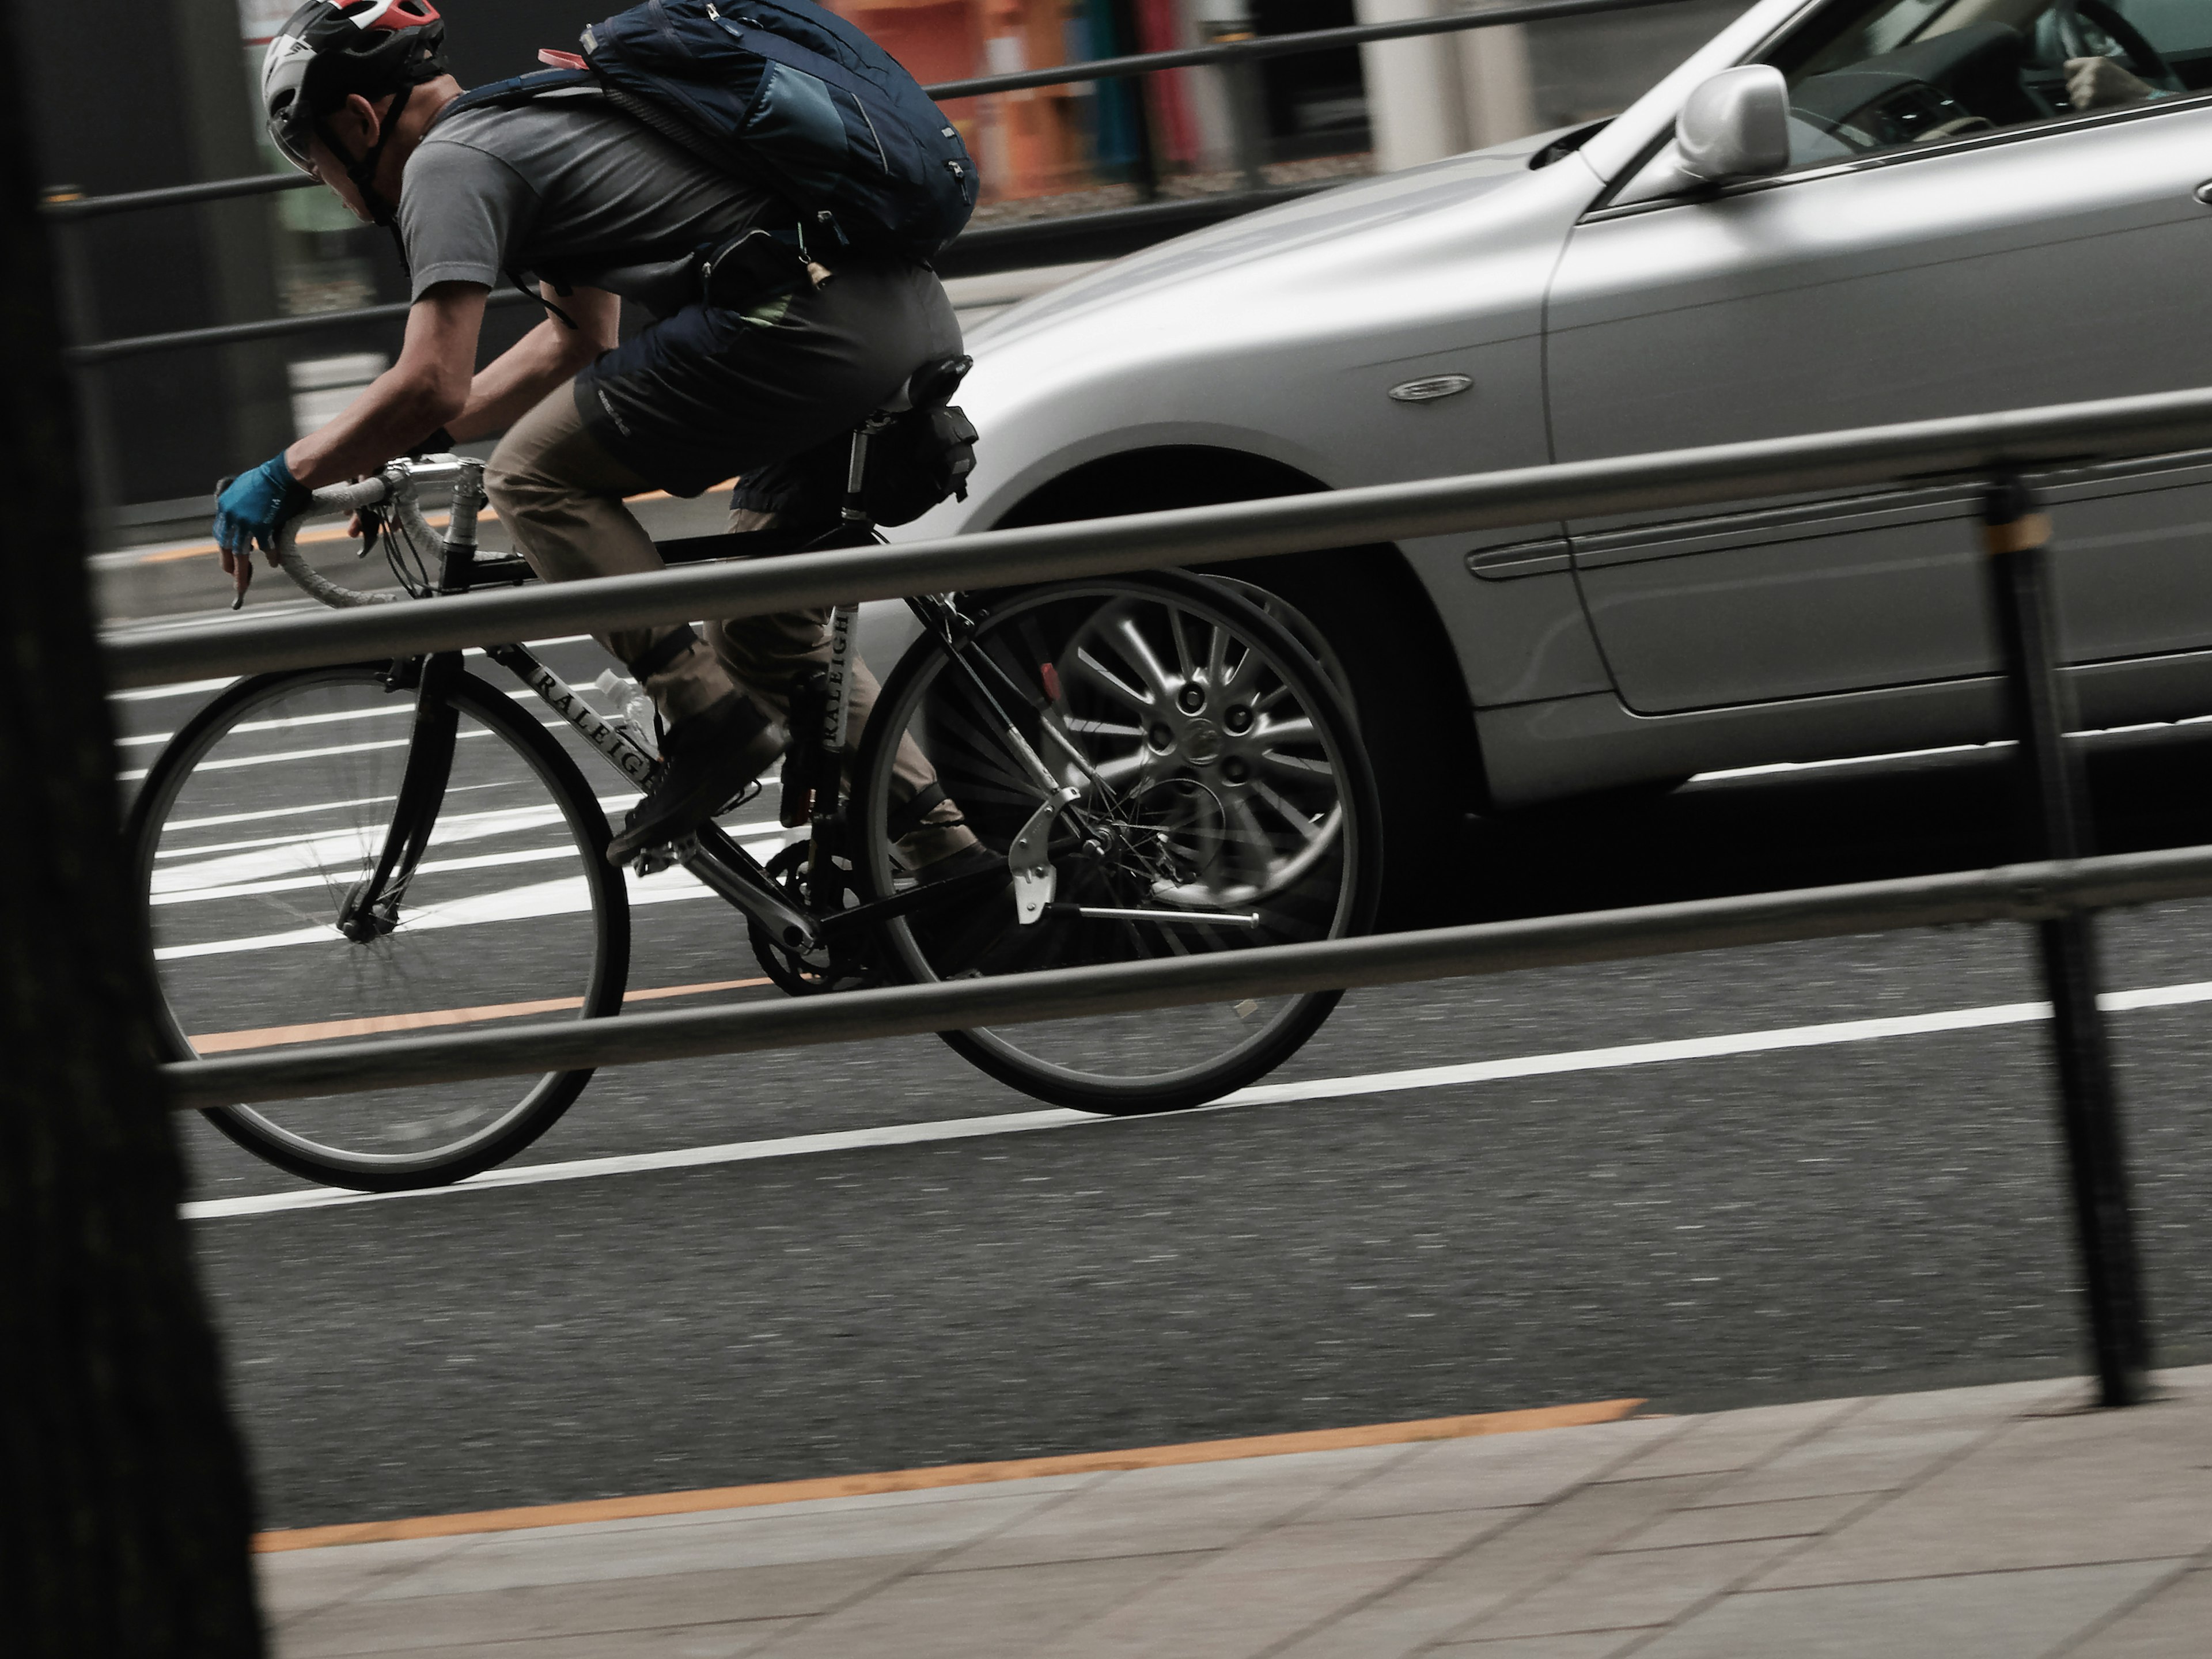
{"x": 1871, "y": 75}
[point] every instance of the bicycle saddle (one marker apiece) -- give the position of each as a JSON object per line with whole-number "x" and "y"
{"x": 930, "y": 386}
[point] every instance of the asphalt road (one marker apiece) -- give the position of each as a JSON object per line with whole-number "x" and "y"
{"x": 1870, "y": 1208}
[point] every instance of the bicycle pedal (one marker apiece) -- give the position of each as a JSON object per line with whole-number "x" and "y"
{"x": 653, "y": 859}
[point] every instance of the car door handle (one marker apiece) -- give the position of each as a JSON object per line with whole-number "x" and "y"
{"x": 2203, "y": 192}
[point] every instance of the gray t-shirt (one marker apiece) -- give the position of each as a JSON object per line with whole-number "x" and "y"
{"x": 571, "y": 192}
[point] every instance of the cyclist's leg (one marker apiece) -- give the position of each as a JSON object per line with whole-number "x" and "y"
{"x": 766, "y": 653}
{"x": 560, "y": 495}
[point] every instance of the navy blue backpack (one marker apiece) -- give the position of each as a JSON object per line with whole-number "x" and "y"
{"x": 787, "y": 96}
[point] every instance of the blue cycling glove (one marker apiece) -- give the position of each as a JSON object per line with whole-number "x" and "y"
{"x": 254, "y": 505}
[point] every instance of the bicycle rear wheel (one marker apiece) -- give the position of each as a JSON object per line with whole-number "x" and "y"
{"x": 1215, "y": 774}
{"x": 270, "y": 807}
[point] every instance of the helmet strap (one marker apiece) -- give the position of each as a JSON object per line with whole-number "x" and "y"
{"x": 363, "y": 171}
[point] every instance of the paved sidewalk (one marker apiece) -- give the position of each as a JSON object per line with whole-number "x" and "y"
{"x": 2003, "y": 1522}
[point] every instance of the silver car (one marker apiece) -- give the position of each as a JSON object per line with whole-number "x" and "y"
{"x": 1935, "y": 215}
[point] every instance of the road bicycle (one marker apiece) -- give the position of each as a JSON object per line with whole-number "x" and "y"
{"x": 1155, "y": 765}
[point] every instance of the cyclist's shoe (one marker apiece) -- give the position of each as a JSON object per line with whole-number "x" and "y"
{"x": 971, "y": 860}
{"x": 708, "y": 758}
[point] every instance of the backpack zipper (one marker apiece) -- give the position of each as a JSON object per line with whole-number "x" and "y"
{"x": 881, "y": 159}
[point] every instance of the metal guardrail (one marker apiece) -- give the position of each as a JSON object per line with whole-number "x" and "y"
{"x": 2023, "y": 892}
{"x": 1963, "y": 445}
{"x": 988, "y": 247}
{"x": 2057, "y": 895}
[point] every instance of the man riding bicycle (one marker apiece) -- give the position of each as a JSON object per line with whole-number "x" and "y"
{"x": 600, "y": 208}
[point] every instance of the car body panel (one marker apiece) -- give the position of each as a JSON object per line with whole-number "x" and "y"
{"x": 1934, "y": 285}
{"x": 1606, "y": 652}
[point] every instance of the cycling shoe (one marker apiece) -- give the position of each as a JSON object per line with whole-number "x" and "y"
{"x": 707, "y": 760}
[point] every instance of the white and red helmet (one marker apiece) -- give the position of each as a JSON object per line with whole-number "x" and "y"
{"x": 329, "y": 50}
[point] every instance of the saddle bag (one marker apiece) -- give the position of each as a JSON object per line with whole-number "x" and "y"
{"x": 922, "y": 456}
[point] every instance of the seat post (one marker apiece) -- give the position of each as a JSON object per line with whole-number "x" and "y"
{"x": 856, "y": 472}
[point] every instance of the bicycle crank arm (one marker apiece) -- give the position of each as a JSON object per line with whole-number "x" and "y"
{"x": 721, "y": 864}
{"x": 1186, "y": 918}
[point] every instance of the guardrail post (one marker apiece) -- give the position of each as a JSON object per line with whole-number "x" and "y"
{"x": 2017, "y": 535}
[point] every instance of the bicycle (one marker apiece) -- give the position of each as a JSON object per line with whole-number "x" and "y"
{"x": 1158, "y": 767}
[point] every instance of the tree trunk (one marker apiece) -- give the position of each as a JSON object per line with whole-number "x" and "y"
{"x": 124, "y": 1516}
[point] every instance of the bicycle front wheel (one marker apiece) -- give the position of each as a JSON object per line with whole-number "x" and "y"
{"x": 1221, "y": 800}
{"x": 263, "y": 818}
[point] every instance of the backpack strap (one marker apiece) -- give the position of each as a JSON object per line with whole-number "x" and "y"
{"x": 522, "y": 89}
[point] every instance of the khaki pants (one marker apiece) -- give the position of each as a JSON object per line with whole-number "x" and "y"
{"x": 559, "y": 494}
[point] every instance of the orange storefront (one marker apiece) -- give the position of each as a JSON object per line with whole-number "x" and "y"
{"x": 1046, "y": 140}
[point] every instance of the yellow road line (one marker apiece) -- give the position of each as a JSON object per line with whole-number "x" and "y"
{"x": 271, "y": 1036}
{"x": 949, "y": 1474}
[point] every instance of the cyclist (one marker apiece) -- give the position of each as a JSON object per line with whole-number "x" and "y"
{"x": 600, "y": 208}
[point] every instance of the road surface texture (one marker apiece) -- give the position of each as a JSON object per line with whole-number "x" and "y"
{"x": 1712, "y": 1181}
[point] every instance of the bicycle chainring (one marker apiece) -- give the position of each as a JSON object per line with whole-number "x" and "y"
{"x": 797, "y": 975}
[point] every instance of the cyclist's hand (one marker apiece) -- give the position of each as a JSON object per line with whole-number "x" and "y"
{"x": 2100, "y": 83}
{"x": 250, "y": 511}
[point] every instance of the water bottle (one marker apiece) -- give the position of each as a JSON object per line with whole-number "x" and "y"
{"x": 629, "y": 710}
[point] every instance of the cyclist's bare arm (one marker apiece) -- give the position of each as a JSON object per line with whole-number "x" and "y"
{"x": 431, "y": 385}
{"x": 542, "y": 359}
{"x": 426, "y": 389}
{"x": 435, "y": 383}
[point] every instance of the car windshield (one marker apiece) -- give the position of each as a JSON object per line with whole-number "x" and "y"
{"x": 1879, "y": 75}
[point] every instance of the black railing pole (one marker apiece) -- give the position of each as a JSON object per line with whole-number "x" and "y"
{"x": 2017, "y": 538}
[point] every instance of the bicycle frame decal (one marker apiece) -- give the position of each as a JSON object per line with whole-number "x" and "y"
{"x": 565, "y": 701}
{"x": 837, "y": 718}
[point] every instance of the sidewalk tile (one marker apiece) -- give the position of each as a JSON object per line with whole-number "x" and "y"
{"x": 1787, "y": 1517}
{"x": 1536, "y": 1547}
{"x": 682, "y": 1642}
{"x": 1216, "y": 1612}
{"x": 2047, "y": 1492}
{"x": 999, "y": 1613}
{"x": 1197, "y": 1506}
{"x": 1625, "y": 1591}
{"x": 1856, "y": 1456}
{"x": 292, "y": 1582}
{"x": 1590, "y": 1644}
{"x": 586, "y": 1608}
{"x": 1996, "y": 1616}
{"x": 1505, "y": 1471}
{"x": 1323, "y": 1545}
{"x": 1991, "y": 1403}
{"x": 2176, "y": 1623}
{"x": 1735, "y": 1440}
{"x": 921, "y": 1497}
{"x": 751, "y": 1538}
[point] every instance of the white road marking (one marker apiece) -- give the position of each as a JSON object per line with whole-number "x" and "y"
{"x": 429, "y": 867}
{"x": 138, "y": 774}
{"x": 902, "y": 1135}
{"x": 352, "y": 845}
{"x": 1265, "y": 1094}
{"x": 182, "y": 689}
{"x": 569, "y": 896}
{"x": 174, "y": 825}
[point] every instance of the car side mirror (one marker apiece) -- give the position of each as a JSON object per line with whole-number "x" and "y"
{"x": 1735, "y": 125}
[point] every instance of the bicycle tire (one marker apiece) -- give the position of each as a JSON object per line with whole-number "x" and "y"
{"x": 507, "y": 779}
{"x": 1011, "y": 1055}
